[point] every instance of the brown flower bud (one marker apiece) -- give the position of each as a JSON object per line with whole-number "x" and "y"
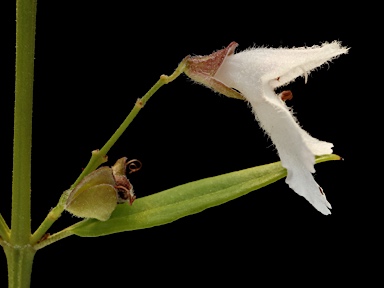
{"x": 97, "y": 195}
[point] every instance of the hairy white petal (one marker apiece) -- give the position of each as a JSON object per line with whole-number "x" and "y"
{"x": 256, "y": 73}
{"x": 302, "y": 182}
{"x": 316, "y": 146}
{"x": 280, "y": 66}
{"x": 296, "y": 156}
{"x": 275, "y": 118}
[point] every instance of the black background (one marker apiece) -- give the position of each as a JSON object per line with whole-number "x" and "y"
{"x": 94, "y": 59}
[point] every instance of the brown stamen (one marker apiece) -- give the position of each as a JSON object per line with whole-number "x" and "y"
{"x": 133, "y": 165}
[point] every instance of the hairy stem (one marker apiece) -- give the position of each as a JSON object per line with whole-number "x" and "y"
{"x": 22, "y": 142}
{"x": 18, "y": 250}
{"x": 19, "y": 260}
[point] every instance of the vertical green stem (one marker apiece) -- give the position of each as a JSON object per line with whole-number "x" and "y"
{"x": 22, "y": 142}
{"x": 21, "y": 185}
{"x": 19, "y": 252}
{"x": 19, "y": 265}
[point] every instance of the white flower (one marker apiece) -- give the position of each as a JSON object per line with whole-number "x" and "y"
{"x": 256, "y": 73}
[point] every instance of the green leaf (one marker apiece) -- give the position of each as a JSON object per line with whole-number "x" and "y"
{"x": 169, "y": 205}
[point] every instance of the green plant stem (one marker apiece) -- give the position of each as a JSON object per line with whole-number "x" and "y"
{"x": 21, "y": 184}
{"x": 18, "y": 250}
{"x": 19, "y": 261}
{"x": 99, "y": 156}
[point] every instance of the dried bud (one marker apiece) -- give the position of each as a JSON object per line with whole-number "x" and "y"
{"x": 97, "y": 195}
{"x": 123, "y": 186}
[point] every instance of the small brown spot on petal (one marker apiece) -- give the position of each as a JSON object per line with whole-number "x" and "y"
{"x": 286, "y": 95}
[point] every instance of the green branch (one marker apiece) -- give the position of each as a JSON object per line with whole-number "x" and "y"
{"x": 53, "y": 238}
{"x": 99, "y": 156}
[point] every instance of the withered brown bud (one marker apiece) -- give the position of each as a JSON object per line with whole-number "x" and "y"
{"x": 97, "y": 195}
{"x": 123, "y": 186}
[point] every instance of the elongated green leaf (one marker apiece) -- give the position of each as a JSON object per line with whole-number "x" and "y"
{"x": 169, "y": 205}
